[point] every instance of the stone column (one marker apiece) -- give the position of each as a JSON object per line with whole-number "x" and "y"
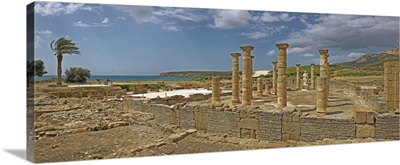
{"x": 246, "y": 75}
{"x": 251, "y": 67}
{"x": 259, "y": 87}
{"x": 216, "y": 90}
{"x": 235, "y": 77}
{"x": 282, "y": 77}
{"x": 267, "y": 89}
{"x": 298, "y": 77}
{"x": 391, "y": 85}
{"x": 312, "y": 77}
{"x": 322, "y": 83}
{"x": 321, "y": 96}
{"x": 274, "y": 77}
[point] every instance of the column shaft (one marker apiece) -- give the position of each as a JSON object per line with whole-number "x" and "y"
{"x": 246, "y": 75}
{"x": 312, "y": 77}
{"x": 274, "y": 77}
{"x": 282, "y": 77}
{"x": 298, "y": 77}
{"x": 235, "y": 77}
{"x": 321, "y": 96}
{"x": 216, "y": 90}
{"x": 259, "y": 87}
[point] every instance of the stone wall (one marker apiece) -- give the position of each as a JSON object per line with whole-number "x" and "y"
{"x": 387, "y": 126}
{"x": 317, "y": 128}
{"x": 269, "y": 123}
{"x": 187, "y": 117}
{"x": 223, "y": 122}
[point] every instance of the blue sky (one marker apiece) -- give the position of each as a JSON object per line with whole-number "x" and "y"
{"x": 143, "y": 40}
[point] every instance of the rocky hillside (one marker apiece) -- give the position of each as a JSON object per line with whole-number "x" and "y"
{"x": 373, "y": 61}
{"x": 197, "y": 74}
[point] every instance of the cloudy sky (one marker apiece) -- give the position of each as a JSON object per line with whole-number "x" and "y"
{"x": 142, "y": 40}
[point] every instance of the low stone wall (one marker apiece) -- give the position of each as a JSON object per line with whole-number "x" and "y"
{"x": 318, "y": 128}
{"x": 387, "y": 126}
{"x": 223, "y": 122}
{"x": 63, "y": 92}
{"x": 269, "y": 123}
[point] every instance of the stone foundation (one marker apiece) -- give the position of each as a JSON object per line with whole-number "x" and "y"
{"x": 271, "y": 124}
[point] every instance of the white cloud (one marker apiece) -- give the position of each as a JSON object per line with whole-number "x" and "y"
{"x": 123, "y": 18}
{"x": 285, "y": 17}
{"x": 38, "y": 41}
{"x": 271, "y": 53}
{"x": 307, "y": 55}
{"x": 72, "y": 7}
{"x": 231, "y": 19}
{"x": 345, "y": 32}
{"x": 140, "y": 13}
{"x": 49, "y": 8}
{"x": 46, "y": 33}
{"x": 171, "y": 28}
{"x": 354, "y": 55}
{"x": 182, "y": 14}
{"x": 269, "y": 17}
{"x": 81, "y": 24}
{"x": 55, "y": 8}
{"x": 255, "y": 35}
{"x": 105, "y": 21}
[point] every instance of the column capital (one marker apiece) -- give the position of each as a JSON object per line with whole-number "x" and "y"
{"x": 247, "y": 48}
{"x": 235, "y": 54}
{"x": 297, "y": 64}
{"x": 282, "y": 45}
{"x": 274, "y": 62}
{"x": 323, "y": 51}
{"x": 312, "y": 64}
{"x": 252, "y": 56}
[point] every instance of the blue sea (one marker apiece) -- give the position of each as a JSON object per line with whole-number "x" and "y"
{"x": 122, "y": 78}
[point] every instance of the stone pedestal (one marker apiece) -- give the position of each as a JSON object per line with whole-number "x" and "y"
{"x": 216, "y": 90}
{"x": 235, "y": 77}
{"x": 247, "y": 78}
{"x": 312, "y": 77}
{"x": 282, "y": 77}
{"x": 259, "y": 87}
{"x": 274, "y": 77}
{"x": 297, "y": 76}
{"x": 321, "y": 96}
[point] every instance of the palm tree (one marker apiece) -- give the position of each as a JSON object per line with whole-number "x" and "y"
{"x": 60, "y": 47}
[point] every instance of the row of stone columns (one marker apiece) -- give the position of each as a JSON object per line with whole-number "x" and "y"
{"x": 279, "y": 78}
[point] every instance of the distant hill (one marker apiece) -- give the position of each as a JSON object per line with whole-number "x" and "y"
{"x": 372, "y": 61}
{"x": 196, "y": 74}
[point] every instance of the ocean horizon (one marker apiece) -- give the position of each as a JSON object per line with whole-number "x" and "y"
{"x": 120, "y": 78}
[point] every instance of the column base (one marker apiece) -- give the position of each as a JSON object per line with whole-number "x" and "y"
{"x": 235, "y": 100}
{"x": 321, "y": 112}
{"x": 246, "y": 103}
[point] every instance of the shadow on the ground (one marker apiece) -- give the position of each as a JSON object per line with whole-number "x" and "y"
{"x": 21, "y": 153}
{"x": 339, "y": 105}
{"x": 334, "y": 112}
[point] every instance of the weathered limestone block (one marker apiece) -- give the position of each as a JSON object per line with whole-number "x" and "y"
{"x": 365, "y": 131}
{"x": 201, "y": 118}
{"x": 248, "y": 123}
{"x": 360, "y": 116}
